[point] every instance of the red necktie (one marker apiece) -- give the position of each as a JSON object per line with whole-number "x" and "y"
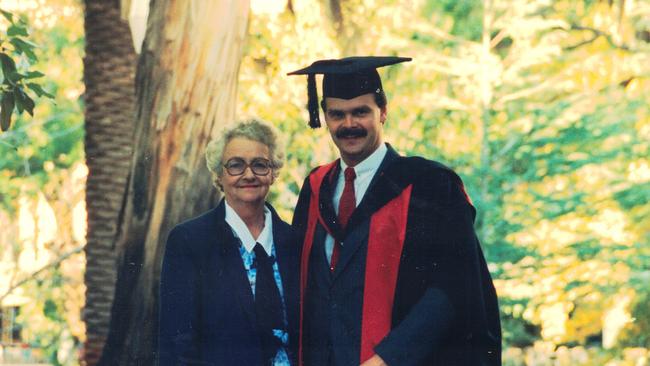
{"x": 346, "y": 206}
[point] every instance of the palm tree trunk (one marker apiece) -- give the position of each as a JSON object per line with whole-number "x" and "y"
{"x": 109, "y": 76}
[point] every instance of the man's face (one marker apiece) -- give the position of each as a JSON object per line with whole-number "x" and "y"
{"x": 355, "y": 126}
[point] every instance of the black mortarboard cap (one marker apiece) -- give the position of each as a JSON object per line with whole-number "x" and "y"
{"x": 345, "y": 78}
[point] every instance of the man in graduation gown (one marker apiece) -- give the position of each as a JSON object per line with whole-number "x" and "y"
{"x": 392, "y": 272}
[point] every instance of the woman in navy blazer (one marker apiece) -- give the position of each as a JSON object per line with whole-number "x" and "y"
{"x": 216, "y": 265}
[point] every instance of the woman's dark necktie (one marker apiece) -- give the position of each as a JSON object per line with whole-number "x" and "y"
{"x": 268, "y": 304}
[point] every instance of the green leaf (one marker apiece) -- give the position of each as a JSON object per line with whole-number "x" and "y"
{"x": 36, "y": 88}
{"x": 17, "y": 30}
{"x": 18, "y": 96}
{"x": 14, "y": 77}
{"x": 23, "y": 100}
{"x": 7, "y": 15}
{"x": 51, "y": 310}
{"x": 8, "y": 64}
{"x": 26, "y": 43}
{"x": 33, "y": 74}
{"x": 28, "y": 103}
{"x": 22, "y": 19}
{"x": 7, "y": 107}
{"x": 23, "y": 46}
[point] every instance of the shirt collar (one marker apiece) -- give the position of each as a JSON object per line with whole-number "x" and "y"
{"x": 241, "y": 231}
{"x": 369, "y": 164}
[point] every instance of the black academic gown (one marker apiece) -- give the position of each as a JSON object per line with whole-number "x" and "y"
{"x": 207, "y": 313}
{"x": 440, "y": 304}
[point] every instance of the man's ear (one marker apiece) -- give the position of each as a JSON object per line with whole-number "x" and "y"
{"x": 383, "y": 112}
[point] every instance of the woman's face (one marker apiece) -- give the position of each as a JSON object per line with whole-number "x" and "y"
{"x": 247, "y": 187}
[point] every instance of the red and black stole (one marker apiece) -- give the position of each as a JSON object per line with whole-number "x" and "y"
{"x": 385, "y": 243}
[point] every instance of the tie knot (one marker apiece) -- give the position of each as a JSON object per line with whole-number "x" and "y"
{"x": 260, "y": 253}
{"x": 349, "y": 174}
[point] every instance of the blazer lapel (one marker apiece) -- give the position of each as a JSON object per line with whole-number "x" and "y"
{"x": 286, "y": 250}
{"x": 326, "y": 204}
{"x": 383, "y": 188}
{"x": 233, "y": 265}
{"x": 282, "y": 242}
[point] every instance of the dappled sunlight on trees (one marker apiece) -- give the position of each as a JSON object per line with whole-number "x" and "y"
{"x": 42, "y": 271}
{"x": 543, "y": 107}
{"x": 42, "y": 211}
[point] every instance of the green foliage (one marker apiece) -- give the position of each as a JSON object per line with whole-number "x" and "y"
{"x": 36, "y": 147}
{"x": 636, "y": 335}
{"x": 16, "y": 78}
{"x": 465, "y": 16}
{"x": 44, "y": 318}
{"x": 37, "y": 155}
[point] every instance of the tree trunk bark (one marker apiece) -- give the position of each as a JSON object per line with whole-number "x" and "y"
{"x": 347, "y": 31}
{"x": 186, "y": 90}
{"x": 109, "y": 76}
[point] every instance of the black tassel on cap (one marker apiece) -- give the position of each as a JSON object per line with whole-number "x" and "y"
{"x": 312, "y": 101}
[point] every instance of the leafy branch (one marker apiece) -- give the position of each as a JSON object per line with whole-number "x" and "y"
{"x": 595, "y": 34}
{"x": 17, "y": 79}
{"x": 45, "y": 268}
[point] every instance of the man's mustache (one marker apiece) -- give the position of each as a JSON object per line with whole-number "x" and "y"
{"x": 345, "y": 132}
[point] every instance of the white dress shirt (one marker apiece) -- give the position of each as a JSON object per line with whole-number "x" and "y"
{"x": 364, "y": 171}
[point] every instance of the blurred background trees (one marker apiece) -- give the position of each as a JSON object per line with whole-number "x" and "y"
{"x": 542, "y": 107}
{"x": 42, "y": 206}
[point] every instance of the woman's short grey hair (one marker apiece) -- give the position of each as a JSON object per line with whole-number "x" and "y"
{"x": 253, "y": 129}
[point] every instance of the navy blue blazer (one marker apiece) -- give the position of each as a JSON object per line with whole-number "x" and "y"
{"x": 207, "y": 313}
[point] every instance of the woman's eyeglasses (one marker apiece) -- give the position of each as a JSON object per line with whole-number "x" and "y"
{"x": 237, "y": 166}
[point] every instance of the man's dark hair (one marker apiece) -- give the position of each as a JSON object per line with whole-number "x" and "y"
{"x": 380, "y": 99}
